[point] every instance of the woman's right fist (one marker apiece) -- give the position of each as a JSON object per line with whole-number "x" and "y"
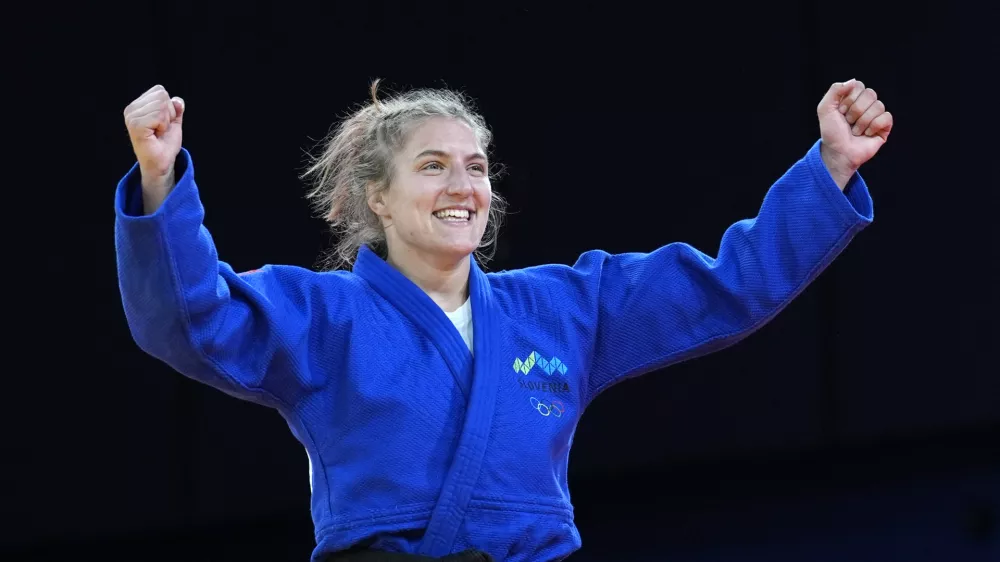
{"x": 154, "y": 122}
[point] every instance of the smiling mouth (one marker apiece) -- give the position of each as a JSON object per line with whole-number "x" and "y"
{"x": 455, "y": 215}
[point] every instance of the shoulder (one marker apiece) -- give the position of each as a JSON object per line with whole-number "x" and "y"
{"x": 302, "y": 284}
{"x": 550, "y": 285}
{"x": 588, "y": 264}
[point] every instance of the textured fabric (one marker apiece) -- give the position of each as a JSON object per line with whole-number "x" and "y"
{"x": 416, "y": 445}
{"x": 376, "y": 556}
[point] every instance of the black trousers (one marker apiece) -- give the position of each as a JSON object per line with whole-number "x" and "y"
{"x": 374, "y": 556}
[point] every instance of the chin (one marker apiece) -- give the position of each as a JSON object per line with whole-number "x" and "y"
{"x": 458, "y": 249}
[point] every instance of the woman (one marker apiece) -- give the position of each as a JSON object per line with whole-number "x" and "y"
{"x": 437, "y": 402}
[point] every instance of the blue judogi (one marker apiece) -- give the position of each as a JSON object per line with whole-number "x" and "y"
{"x": 414, "y": 441}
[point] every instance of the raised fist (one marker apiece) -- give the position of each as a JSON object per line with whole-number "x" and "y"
{"x": 154, "y": 122}
{"x": 854, "y": 123}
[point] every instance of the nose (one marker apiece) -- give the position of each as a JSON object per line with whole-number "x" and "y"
{"x": 460, "y": 182}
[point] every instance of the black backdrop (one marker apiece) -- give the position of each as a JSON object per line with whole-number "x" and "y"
{"x": 865, "y": 417}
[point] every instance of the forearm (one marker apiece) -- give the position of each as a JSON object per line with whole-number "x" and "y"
{"x": 677, "y": 303}
{"x": 155, "y": 191}
{"x": 168, "y": 276}
{"x": 840, "y": 170}
{"x": 186, "y": 307}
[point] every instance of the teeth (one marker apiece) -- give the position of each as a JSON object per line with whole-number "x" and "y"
{"x": 453, "y": 213}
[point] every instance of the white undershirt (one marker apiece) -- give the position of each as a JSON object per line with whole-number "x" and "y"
{"x": 462, "y": 319}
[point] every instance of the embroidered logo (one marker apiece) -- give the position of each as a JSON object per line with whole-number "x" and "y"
{"x": 556, "y": 408}
{"x": 534, "y": 358}
{"x": 552, "y": 407}
{"x": 544, "y": 386}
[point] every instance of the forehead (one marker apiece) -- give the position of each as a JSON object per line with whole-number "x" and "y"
{"x": 442, "y": 133}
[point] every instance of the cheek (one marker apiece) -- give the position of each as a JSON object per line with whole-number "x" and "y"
{"x": 484, "y": 197}
{"x": 416, "y": 193}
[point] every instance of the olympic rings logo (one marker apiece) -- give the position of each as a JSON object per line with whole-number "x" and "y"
{"x": 556, "y": 408}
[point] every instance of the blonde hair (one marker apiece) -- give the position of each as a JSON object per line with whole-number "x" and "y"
{"x": 358, "y": 157}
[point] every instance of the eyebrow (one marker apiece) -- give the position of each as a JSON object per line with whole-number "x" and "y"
{"x": 443, "y": 154}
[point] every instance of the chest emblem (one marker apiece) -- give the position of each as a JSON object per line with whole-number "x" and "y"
{"x": 548, "y": 366}
{"x": 543, "y": 393}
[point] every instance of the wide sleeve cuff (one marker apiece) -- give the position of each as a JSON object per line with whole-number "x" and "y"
{"x": 855, "y": 202}
{"x": 128, "y": 195}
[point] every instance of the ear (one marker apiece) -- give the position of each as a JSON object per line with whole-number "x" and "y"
{"x": 376, "y": 203}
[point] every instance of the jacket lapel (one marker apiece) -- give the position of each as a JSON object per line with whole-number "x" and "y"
{"x": 476, "y": 377}
{"x": 420, "y": 309}
{"x": 448, "y": 514}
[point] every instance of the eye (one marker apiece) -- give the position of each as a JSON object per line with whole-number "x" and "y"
{"x": 479, "y": 168}
{"x": 433, "y": 166}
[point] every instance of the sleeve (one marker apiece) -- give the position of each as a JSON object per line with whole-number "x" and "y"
{"x": 245, "y": 334}
{"x": 649, "y": 310}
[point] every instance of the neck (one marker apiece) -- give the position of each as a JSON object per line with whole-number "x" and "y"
{"x": 445, "y": 281}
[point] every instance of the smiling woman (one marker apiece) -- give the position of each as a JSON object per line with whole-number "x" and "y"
{"x": 437, "y": 402}
{"x": 430, "y": 147}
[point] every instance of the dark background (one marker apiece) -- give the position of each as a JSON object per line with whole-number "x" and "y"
{"x": 861, "y": 424}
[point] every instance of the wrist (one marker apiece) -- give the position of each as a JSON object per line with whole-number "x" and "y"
{"x": 839, "y": 168}
{"x": 153, "y": 181}
{"x": 155, "y": 188}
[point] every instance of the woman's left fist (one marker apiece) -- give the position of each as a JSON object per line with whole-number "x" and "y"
{"x": 853, "y": 124}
